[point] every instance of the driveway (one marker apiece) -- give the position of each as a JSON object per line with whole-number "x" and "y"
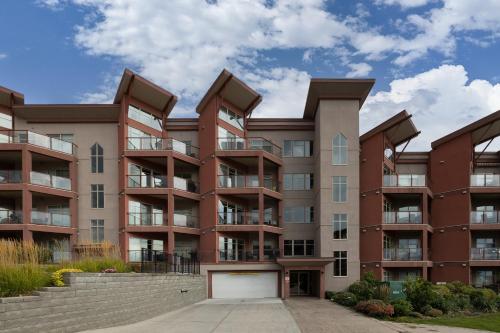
{"x": 263, "y": 315}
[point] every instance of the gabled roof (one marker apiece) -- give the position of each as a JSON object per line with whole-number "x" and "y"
{"x": 482, "y": 130}
{"x": 9, "y": 97}
{"x": 398, "y": 129}
{"x": 357, "y": 89}
{"x": 144, "y": 90}
{"x": 233, "y": 90}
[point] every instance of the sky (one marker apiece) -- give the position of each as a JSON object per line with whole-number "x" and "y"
{"x": 437, "y": 59}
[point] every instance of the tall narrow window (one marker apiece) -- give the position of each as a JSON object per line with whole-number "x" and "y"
{"x": 5, "y": 120}
{"x": 97, "y": 231}
{"x": 97, "y": 195}
{"x": 97, "y": 158}
{"x": 339, "y": 226}
{"x": 340, "y": 150}
{"x": 340, "y": 264}
{"x": 339, "y": 188}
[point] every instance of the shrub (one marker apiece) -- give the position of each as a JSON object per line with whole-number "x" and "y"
{"x": 497, "y": 302}
{"x": 57, "y": 276}
{"x": 483, "y": 299}
{"x": 402, "y": 308}
{"x": 382, "y": 292}
{"x": 97, "y": 265}
{"x": 416, "y": 314}
{"x": 419, "y": 293}
{"x": 18, "y": 280}
{"x": 329, "y": 294}
{"x": 375, "y": 308}
{"x": 362, "y": 289}
{"x": 345, "y": 298}
{"x": 434, "y": 313}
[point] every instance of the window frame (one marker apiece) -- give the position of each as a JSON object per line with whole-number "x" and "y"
{"x": 338, "y": 255}
{"x": 337, "y": 192}
{"x": 340, "y": 150}
{"x": 308, "y": 210}
{"x": 289, "y": 147}
{"x": 337, "y": 224}
{"x": 96, "y": 158}
{"x": 97, "y": 229}
{"x": 304, "y": 244}
{"x": 291, "y": 178}
{"x": 98, "y": 191}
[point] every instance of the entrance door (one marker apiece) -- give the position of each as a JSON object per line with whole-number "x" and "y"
{"x": 300, "y": 283}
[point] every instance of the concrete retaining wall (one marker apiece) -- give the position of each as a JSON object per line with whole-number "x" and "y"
{"x": 97, "y": 300}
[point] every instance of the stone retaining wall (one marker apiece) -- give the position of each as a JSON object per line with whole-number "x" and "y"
{"x": 97, "y": 300}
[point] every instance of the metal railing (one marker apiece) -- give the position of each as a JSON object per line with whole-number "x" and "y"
{"x": 147, "y": 181}
{"x": 154, "y": 261}
{"x": 10, "y": 176}
{"x": 485, "y": 180}
{"x": 247, "y": 181}
{"x": 59, "y": 219}
{"x": 186, "y": 220}
{"x": 484, "y": 217}
{"x": 402, "y": 254}
{"x": 23, "y": 136}
{"x": 8, "y": 216}
{"x": 404, "y": 180}
{"x": 252, "y": 143}
{"x": 402, "y": 217}
{"x": 44, "y": 179}
{"x": 188, "y": 185}
{"x": 154, "y": 143}
{"x": 147, "y": 219}
{"x": 238, "y": 218}
{"x": 241, "y": 255}
{"x": 485, "y": 253}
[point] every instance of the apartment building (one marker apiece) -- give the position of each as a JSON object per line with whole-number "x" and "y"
{"x": 270, "y": 207}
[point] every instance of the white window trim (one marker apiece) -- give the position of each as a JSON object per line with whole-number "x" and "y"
{"x": 347, "y": 228}
{"x": 347, "y": 265}
{"x": 346, "y": 189}
{"x": 346, "y": 150}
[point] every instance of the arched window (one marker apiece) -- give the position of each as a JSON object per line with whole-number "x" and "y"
{"x": 340, "y": 150}
{"x": 97, "y": 158}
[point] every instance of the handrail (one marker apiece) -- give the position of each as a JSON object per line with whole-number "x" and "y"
{"x": 484, "y": 217}
{"x": 485, "y": 180}
{"x": 45, "y": 179}
{"x": 402, "y": 254}
{"x": 59, "y": 219}
{"x": 11, "y": 216}
{"x": 248, "y": 143}
{"x": 10, "y": 176}
{"x": 147, "y": 219}
{"x": 404, "y": 180}
{"x": 403, "y": 217}
{"x": 485, "y": 253}
{"x": 36, "y": 139}
{"x": 156, "y": 143}
{"x": 242, "y": 181}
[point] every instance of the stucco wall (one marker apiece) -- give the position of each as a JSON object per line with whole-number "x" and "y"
{"x": 97, "y": 300}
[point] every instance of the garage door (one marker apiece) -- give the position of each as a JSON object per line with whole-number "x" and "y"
{"x": 244, "y": 285}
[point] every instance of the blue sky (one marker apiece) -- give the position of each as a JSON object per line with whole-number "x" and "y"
{"x": 435, "y": 58}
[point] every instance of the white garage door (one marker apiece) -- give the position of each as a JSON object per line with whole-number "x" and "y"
{"x": 244, "y": 285}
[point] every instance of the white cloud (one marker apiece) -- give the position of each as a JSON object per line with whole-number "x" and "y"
{"x": 403, "y": 3}
{"x": 441, "y": 100}
{"x": 3, "y": 56}
{"x": 359, "y": 69}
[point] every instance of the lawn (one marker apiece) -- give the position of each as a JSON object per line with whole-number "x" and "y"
{"x": 489, "y": 322}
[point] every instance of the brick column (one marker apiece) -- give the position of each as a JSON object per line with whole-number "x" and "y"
{"x": 26, "y": 165}
{"x": 170, "y": 171}
{"x": 425, "y": 209}
{"x": 425, "y": 245}
{"x": 27, "y": 205}
{"x": 261, "y": 208}
{"x": 261, "y": 245}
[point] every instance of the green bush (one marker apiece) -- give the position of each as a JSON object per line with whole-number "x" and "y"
{"x": 345, "y": 298}
{"x": 18, "y": 280}
{"x": 382, "y": 292}
{"x": 497, "y": 302}
{"x": 483, "y": 299}
{"x": 419, "y": 293}
{"x": 97, "y": 265}
{"x": 57, "y": 276}
{"x": 434, "y": 312}
{"x": 402, "y": 308}
{"x": 375, "y": 308}
{"x": 362, "y": 289}
{"x": 416, "y": 314}
{"x": 329, "y": 294}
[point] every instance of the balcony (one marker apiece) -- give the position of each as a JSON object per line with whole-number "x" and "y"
{"x": 154, "y": 143}
{"x": 485, "y": 180}
{"x": 244, "y": 218}
{"x": 403, "y": 217}
{"x": 485, "y": 254}
{"x": 10, "y": 176}
{"x": 8, "y": 216}
{"x": 247, "y": 181}
{"x": 146, "y": 219}
{"x": 44, "y": 179}
{"x": 249, "y": 144}
{"x": 484, "y": 217}
{"x": 59, "y": 219}
{"x": 147, "y": 181}
{"x": 186, "y": 220}
{"x": 186, "y": 185}
{"x": 404, "y": 180}
{"x": 38, "y": 140}
{"x": 403, "y": 254}
{"x": 240, "y": 255}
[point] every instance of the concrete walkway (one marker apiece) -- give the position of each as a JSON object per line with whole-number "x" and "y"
{"x": 252, "y": 316}
{"x": 316, "y": 316}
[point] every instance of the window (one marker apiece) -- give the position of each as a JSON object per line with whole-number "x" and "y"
{"x": 339, "y": 188}
{"x": 340, "y": 264}
{"x": 231, "y": 117}
{"x": 97, "y": 231}
{"x": 229, "y": 141}
{"x": 298, "y": 148}
{"x": 299, "y": 214}
{"x": 299, "y": 247}
{"x": 339, "y": 226}
{"x": 63, "y": 137}
{"x": 144, "y": 117}
{"x": 389, "y": 154}
{"x": 298, "y": 181}
{"x": 339, "y": 150}
{"x": 5, "y": 120}
{"x": 97, "y": 195}
{"x": 138, "y": 139}
{"x": 485, "y": 243}
{"x": 97, "y": 158}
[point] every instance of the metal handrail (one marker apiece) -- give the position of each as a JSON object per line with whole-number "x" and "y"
{"x": 402, "y": 254}
{"x": 484, "y": 217}
{"x": 155, "y": 143}
{"x": 10, "y": 176}
{"x": 485, "y": 180}
{"x": 485, "y": 253}
{"x": 403, "y": 217}
{"x": 36, "y": 139}
{"x": 247, "y": 181}
{"x": 249, "y": 143}
{"x": 404, "y": 180}
{"x": 147, "y": 219}
{"x": 9, "y": 216}
{"x": 45, "y": 179}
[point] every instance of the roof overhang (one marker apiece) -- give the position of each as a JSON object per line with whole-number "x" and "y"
{"x": 9, "y": 97}
{"x": 233, "y": 90}
{"x": 397, "y": 129}
{"x": 145, "y": 91}
{"x": 481, "y": 131}
{"x": 68, "y": 112}
{"x": 295, "y": 262}
{"x": 351, "y": 89}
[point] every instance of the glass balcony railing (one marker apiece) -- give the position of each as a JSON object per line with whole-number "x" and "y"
{"x": 485, "y": 180}
{"x": 238, "y": 218}
{"x": 44, "y": 179}
{"x": 186, "y": 220}
{"x": 402, "y": 254}
{"x": 484, "y": 217}
{"x": 240, "y": 255}
{"x": 10, "y": 176}
{"x": 147, "y": 181}
{"x": 403, "y": 217}
{"x": 485, "y": 253}
{"x": 38, "y": 140}
{"x": 60, "y": 219}
{"x": 245, "y": 181}
{"x": 249, "y": 144}
{"x": 186, "y": 185}
{"x": 154, "y": 143}
{"x": 404, "y": 180}
{"x": 147, "y": 219}
{"x": 8, "y": 216}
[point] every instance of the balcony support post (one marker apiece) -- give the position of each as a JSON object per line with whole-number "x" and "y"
{"x": 261, "y": 170}
{"x": 26, "y": 165}
{"x": 27, "y": 235}
{"x": 425, "y": 208}
{"x": 171, "y": 242}
{"x": 72, "y": 176}
{"x": 261, "y": 208}
{"x": 261, "y": 245}
{"x": 170, "y": 171}
{"x": 73, "y": 210}
{"x": 424, "y": 273}
{"x": 425, "y": 245}
{"x": 170, "y": 208}
{"x": 27, "y": 206}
